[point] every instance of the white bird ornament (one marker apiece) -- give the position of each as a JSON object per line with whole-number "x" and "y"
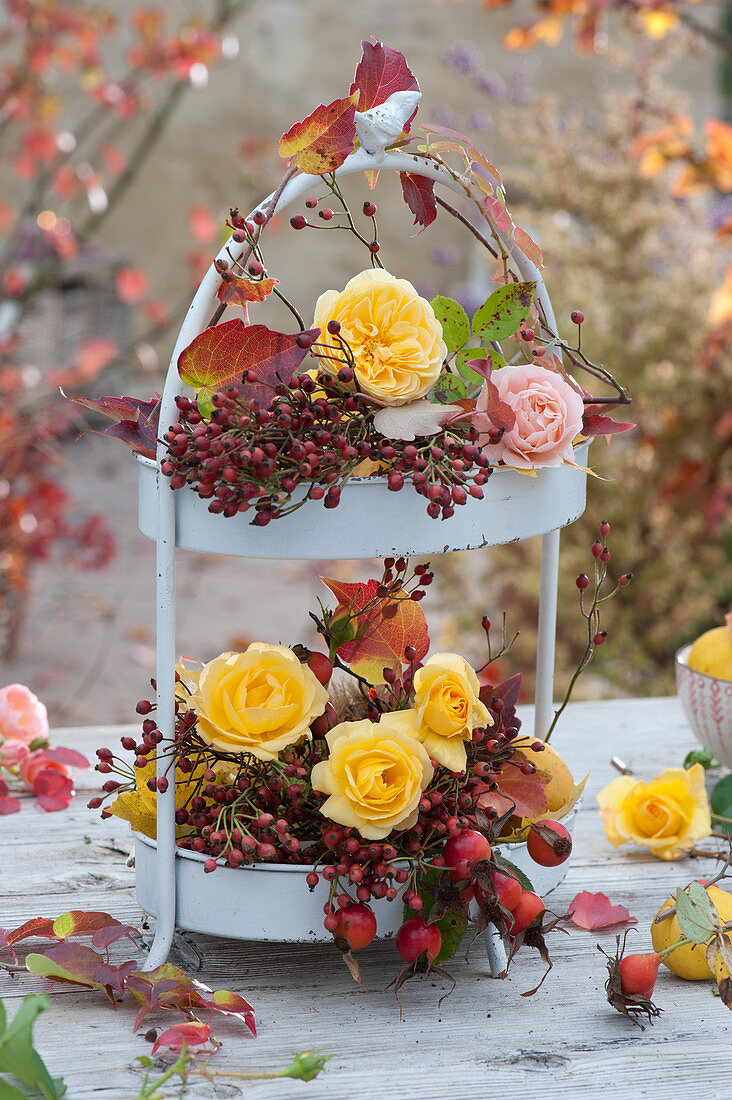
{"x": 382, "y": 125}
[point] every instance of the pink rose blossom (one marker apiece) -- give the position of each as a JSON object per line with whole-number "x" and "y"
{"x": 38, "y": 762}
{"x": 13, "y": 753}
{"x": 22, "y": 715}
{"x": 548, "y": 417}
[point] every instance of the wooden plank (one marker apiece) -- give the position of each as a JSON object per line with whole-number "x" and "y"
{"x": 483, "y": 1039}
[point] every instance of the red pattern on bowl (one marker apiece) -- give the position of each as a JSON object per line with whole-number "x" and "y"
{"x": 707, "y": 704}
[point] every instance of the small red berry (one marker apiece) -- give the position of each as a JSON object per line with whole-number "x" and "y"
{"x": 298, "y": 222}
{"x": 582, "y": 581}
{"x": 577, "y": 316}
{"x": 369, "y": 209}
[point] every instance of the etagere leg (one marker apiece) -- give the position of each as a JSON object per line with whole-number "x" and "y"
{"x": 546, "y": 633}
{"x": 165, "y": 696}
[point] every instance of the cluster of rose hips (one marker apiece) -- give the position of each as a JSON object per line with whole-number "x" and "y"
{"x": 311, "y": 436}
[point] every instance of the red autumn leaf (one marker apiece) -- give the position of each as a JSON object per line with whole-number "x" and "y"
{"x": 323, "y": 140}
{"x": 105, "y": 937}
{"x": 239, "y": 292}
{"x": 82, "y": 922}
{"x": 419, "y": 195}
{"x": 218, "y": 357}
{"x": 63, "y": 755}
{"x": 131, "y": 284}
{"x": 500, "y": 414}
{"x": 592, "y": 911}
{"x": 37, "y": 926}
{"x": 8, "y": 804}
{"x": 381, "y": 72}
{"x": 384, "y": 630}
{"x": 53, "y": 790}
{"x": 498, "y": 214}
{"x": 136, "y": 420}
{"x": 78, "y": 965}
{"x": 528, "y": 246}
{"x": 526, "y": 791}
{"x": 233, "y": 1004}
{"x": 192, "y": 1034}
{"x": 603, "y": 425}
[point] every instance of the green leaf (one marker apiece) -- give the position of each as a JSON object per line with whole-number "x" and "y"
{"x": 501, "y": 315}
{"x": 699, "y": 756}
{"x": 721, "y": 801}
{"x": 451, "y": 925}
{"x": 463, "y": 360}
{"x": 17, "y": 1055}
{"x": 145, "y": 1060}
{"x": 452, "y": 928}
{"x": 695, "y": 913}
{"x": 9, "y": 1092}
{"x": 449, "y": 388}
{"x": 516, "y": 871}
{"x": 63, "y": 926}
{"x": 454, "y": 321}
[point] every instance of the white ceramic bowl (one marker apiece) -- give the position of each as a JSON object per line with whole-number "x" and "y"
{"x": 707, "y": 704}
{"x": 270, "y": 901}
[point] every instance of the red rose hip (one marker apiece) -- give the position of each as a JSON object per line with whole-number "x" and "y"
{"x": 638, "y": 974}
{"x": 415, "y": 936}
{"x": 549, "y": 843}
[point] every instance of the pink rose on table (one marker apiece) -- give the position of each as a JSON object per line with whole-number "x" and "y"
{"x": 13, "y": 753}
{"x": 37, "y": 762}
{"x": 23, "y": 716}
{"x": 548, "y": 415}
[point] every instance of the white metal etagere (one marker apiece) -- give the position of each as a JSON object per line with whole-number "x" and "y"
{"x": 369, "y": 522}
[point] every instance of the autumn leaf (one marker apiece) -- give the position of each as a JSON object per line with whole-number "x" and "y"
{"x": 239, "y": 292}
{"x": 135, "y": 424}
{"x": 218, "y": 357}
{"x": 381, "y": 72}
{"x": 191, "y": 1034}
{"x": 497, "y": 214}
{"x": 53, "y": 791}
{"x": 528, "y": 246}
{"x": 382, "y": 632}
{"x": 36, "y": 926}
{"x": 416, "y": 418}
{"x": 323, "y": 140}
{"x": 524, "y": 792}
{"x": 593, "y": 911}
{"x": 603, "y": 425}
{"x": 419, "y": 195}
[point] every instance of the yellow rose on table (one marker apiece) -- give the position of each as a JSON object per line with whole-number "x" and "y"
{"x": 667, "y": 814}
{"x": 394, "y": 335}
{"x": 259, "y": 701}
{"x": 448, "y": 708}
{"x": 374, "y": 775}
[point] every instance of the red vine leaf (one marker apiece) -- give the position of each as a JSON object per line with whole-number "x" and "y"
{"x": 136, "y": 421}
{"x": 37, "y": 926}
{"x": 323, "y": 140}
{"x": 218, "y": 357}
{"x": 75, "y": 964}
{"x": 419, "y": 195}
{"x": 239, "y": 292}
{"x": 80, "y": 922}
{"x": 233, "y": 1004}
{"x": 192, "y": 1034}
{"x": 593, "y": 425}
{"x": 499, "y": 412}
{"x": 383, "y": 627}
{"x": 592, "y": 911}
{"x": 381, "y": 72}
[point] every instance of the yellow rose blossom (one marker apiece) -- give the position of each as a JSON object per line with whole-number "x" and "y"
{"x": 258, "y": 702}
{"x": 448, "y": 708}
{"x": 668, "y": 814}
{"x": 375, "y": 774}
{"x": 394, "y": 335}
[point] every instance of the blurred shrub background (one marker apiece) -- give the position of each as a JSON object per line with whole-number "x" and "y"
{"x": 125, "y": 135}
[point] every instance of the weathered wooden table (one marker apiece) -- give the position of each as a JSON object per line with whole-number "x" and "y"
{"x": 485, "y": 1039}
